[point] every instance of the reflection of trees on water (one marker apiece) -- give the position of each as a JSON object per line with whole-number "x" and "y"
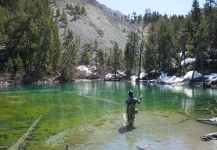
{"x": 190, "y": 99}
{"x": 188, "y": 105}
{"x": 207, "y": 106}
{"x": 199, "y": 100}
{"x": 188, "y": 102}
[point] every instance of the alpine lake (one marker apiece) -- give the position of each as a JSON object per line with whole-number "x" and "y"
{"x": 89, "y": 115}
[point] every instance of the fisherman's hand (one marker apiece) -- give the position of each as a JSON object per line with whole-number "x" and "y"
{"x": 140, "y": 98}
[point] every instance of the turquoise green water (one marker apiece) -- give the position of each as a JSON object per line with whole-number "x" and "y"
{"x": 72, "y": 105}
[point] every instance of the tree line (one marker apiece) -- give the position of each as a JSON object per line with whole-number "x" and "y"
{"x": 171, "y": 39}
{"x": 30, "y": 38}
{"x": 30, "y": 43}
{"x": 194, "y": 35}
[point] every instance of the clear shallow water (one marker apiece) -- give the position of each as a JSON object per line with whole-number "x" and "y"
{"x": 72, "y": 112}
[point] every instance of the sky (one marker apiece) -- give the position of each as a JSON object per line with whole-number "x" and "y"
{"x": 169, "y": 7}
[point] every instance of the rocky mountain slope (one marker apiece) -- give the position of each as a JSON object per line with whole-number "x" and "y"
{"x": 99, "y": 22}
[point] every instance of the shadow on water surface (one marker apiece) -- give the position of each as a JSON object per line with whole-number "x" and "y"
{"x": 126, "y": 128}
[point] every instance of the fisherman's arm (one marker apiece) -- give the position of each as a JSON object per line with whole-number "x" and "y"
{"x": 140, "y": 98}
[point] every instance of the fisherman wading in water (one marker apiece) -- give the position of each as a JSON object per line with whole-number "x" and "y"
{"x": 131, "y": 107}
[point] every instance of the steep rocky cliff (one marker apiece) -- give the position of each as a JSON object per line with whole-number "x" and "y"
{"x": 99, "y": 22}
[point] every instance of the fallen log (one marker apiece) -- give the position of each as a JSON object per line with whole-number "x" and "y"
{"x": 210, "y": 136}
{"x": 22, "y": 139}
{"x": 211, "y": 120}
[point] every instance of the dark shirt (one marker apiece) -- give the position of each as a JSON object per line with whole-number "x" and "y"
{"x": 134, "y": 101}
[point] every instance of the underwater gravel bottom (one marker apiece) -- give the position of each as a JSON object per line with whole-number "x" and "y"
{"x": 154, "y": 130}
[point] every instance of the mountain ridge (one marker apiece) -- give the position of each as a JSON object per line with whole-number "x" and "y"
{"x": 98, "y": 23}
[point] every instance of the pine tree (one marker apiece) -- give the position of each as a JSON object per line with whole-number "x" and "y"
{"x": 78, "y": 9}
{"x": 209, "y": 11}
{"x": 64, "y": 18}
{"x": 132, "y": 51}
{"x": 128, "y": 57}
{"x": 100, "y": 57}
{"x": 10, "y": 66}
{"x": 151, "y": 50}
{"x": 83, "y": 11}
{"x": 56, "y": 49}
{"x": 70, "y": 58}
{"x": 86, "y": 57}
{"x": 116, "y": 58}
{"x": 19, "y": 64}
{"x": 58, "y": 12}
{"x": 95, "y": 50}
{"x": 139, "y": 19}
{"x": 30, "y": 37}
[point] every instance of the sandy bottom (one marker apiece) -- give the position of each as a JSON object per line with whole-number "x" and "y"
{"x": 152, "y": 131}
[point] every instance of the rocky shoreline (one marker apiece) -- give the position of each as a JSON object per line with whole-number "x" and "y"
{"x": 83, "y": 74}
{"x": 197, "y": 82}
